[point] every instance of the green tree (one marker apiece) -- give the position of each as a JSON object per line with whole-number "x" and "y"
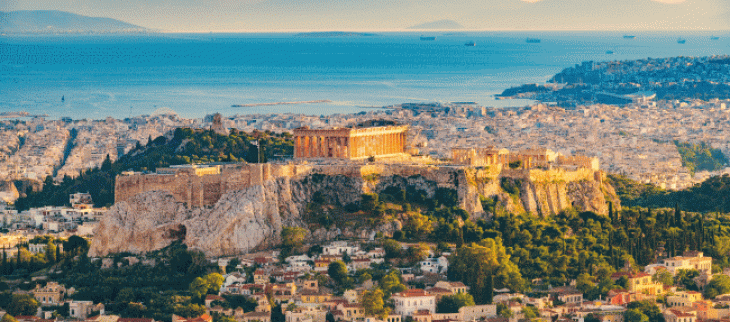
{"x": 475, "y": 263}
{"x": 418, "y": 226}
{"x": 373, "y": 303}
{"x": 189, "y": 311}
{"x": 392, "y": 248}
{"x": 720, "y": 284}
{"x": 664, "y": 277}
{"x": 125, "y": 295}
{"x": 530, "y": 312}
{"x": 685, "y": 278}
{"x": 584, "y": 283}
{"x": 292, "y": 239}
{"x": 51, "y": 252}
{"x": 452, "y": 303}
{"x": 649, "y": 308}
{"x": 633, "y": 315}
{"x": 22, "y": 304}
{"x": 206, "y": 284}
{"x": 369, "y": 201}
{"x": 337, "y": 270}
{"x": 591, "y": 318}
{"x": 504, "y": 311}
{"x": 8, "y": 318}
{"x": 418, "y": 252}
{"x": 392, "y": 283}
{"x": 76, "y": 245}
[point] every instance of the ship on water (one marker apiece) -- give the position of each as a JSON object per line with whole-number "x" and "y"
{"x": 428, "y": 38}
{"x": 470, "y": 44}
{"x": 681, "y": 41}
{"x": 532, "y": 40}
{"x": 629, "y": 37}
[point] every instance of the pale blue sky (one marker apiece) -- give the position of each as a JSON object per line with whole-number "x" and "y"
{"x": 265, "y": 15}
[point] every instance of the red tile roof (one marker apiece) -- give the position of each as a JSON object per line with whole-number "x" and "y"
{"x": 416, "y": 292}
{"x": 134, "y": 320}
{"x": 618, "y": 275}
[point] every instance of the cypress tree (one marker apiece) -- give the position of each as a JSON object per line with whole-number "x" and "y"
{"x": 610, "y": 213}
{"x": 58, "y": 253}
{"x": 702, "y": 230}
{"x": 488, "y": 290}
{"x": 677, "y": 216}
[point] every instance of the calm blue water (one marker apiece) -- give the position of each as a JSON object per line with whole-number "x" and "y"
{"x": 197, "y": 74}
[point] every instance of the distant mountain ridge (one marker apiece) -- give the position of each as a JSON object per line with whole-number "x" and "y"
{"x": 53, "y": 21}
{"x": 439, "y": 24}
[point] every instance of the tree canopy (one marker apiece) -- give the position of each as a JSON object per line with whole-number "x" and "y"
{"x": 476, "y": 263}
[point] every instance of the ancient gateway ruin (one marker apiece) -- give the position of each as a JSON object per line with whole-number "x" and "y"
{"x": 350, "y": 143}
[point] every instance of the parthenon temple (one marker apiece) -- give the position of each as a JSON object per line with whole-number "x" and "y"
{"x": 350, "y": 143}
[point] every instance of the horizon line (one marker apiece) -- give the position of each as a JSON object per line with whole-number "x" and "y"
{"x": 430, "y": 30}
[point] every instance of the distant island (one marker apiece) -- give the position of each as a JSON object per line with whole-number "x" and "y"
{"x": 327, "y": 34}
{"x": 438, "y": 25}
{"x": 61, "y": 22}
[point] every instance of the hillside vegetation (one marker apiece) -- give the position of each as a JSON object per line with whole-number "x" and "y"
{"x": 712, "y": 195}
{"x": 185, "y": 147}
{"x": 701, "y": 157}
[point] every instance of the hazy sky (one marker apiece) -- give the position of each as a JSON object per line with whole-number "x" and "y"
{"x": 241, "y": 15}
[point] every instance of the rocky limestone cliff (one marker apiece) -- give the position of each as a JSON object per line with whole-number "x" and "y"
{"x": 252, "y": 218}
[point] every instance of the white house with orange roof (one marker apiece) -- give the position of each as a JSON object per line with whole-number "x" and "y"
{"x": 689, "y": 260}
{"x": 640, "y": 282}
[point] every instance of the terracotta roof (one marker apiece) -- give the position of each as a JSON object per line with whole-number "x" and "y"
{"x": 417, "y": 292}
{"x": 681, "y": 314}
{"x": 209, "y": 297}
{"x": 135, "y": 320}
{"x": 437, "y": 290}
{"x": 629, "y": 274}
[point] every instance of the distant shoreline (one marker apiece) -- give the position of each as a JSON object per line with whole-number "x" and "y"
{"x": 281, "y": 103}
{"x": 19, "y": 114}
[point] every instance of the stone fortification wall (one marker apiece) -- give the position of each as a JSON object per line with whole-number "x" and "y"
{"x": 191, "y": 189}
{"x": 542, "y": 192}
{"x": 244, "y": 207}
{"x": 556, "y": 175}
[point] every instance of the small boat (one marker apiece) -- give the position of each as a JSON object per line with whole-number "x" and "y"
{"x": 629, "y": 37}
{"x": 428, "y": 38}
{"x": 532, "y": 40}
{"x": 681, "y": 41}
{"x": 470, "y": 44}
{"x": 63, "y": 98}
{"x": 714, "y": 37}
{"x": 609, "y": 52}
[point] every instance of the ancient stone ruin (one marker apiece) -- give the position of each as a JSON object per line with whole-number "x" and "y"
{"x": 350, "y": 143}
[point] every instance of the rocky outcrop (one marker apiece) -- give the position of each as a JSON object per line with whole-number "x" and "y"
{"x": 252, "y": 217}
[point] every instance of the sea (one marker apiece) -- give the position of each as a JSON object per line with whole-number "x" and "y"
{"x": 98, "y": 76}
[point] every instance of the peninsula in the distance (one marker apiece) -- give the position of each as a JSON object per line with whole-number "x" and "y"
{"x": 438, "y": 25}
{"x": 61, "y": 22}
{"x": 328, "y": 34}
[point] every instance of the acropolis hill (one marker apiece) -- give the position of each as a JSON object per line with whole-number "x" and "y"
{"x": 238, "y": 207}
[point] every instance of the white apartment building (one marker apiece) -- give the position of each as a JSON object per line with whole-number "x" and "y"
{"x": 413, "y": 300}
